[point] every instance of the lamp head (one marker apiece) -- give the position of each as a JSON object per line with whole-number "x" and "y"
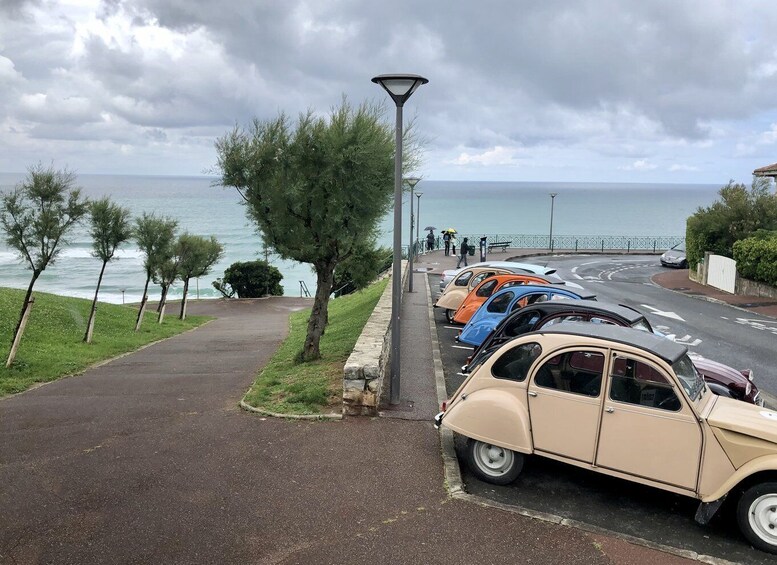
{"x": 400, "y": 87}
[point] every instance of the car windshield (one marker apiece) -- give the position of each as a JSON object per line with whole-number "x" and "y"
{"x": 690, "y": 379}
{"x": 679, "y": 247}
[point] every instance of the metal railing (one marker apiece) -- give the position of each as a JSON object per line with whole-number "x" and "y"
{"x": 602, "y": 243}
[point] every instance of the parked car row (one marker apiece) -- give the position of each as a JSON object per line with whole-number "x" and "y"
{"x": 599, "y": 390}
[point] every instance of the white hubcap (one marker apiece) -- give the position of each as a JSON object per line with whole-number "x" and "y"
{"x": 494, "y": 460}
{"x": 763, "y": 518}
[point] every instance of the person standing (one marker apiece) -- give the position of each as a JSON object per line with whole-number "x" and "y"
{"x": 463, "y": 250}
{"x": 446, "y": 237}
{"x": 430, "y": 240}
{"x": 453, "y": 242}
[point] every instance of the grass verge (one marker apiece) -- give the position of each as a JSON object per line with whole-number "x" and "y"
{"x": 288, "y": 386}
{"x": 52, "y": 345}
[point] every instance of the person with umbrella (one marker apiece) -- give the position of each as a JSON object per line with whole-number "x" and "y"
{"x": 430, "y": 240}
{"x": 446, "y": 237}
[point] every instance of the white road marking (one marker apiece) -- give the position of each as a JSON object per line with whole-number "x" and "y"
{"x": 462, "y": 347}
{"x": 665, "y": 314}
{"x": 577, "y": 276}
{"x": 757, "y": 324}
{"x": 453, "y": 327}
{"x": 574, "y": 269}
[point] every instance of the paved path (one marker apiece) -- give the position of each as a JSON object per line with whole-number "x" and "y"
{"x": 148, "y": 460}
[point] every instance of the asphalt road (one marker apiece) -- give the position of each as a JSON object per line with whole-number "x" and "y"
{"x": 716, "y": 331}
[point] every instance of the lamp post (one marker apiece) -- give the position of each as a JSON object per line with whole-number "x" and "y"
{"x": 400, "y": 88}
{"x": 411, "y": 182}
{"x": 550, "y": 238}
{"x": 418, "y": 216}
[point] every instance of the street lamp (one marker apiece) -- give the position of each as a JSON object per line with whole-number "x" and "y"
{"x": 400, "y": 88}
{"x": 552, "y": 200}
{"x": 418, "y": 216}
{"x": 411, "y": 182}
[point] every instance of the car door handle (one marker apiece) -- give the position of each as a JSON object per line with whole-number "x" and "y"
{"x": 609, "y": 409}
{"x": 532, "y": 393}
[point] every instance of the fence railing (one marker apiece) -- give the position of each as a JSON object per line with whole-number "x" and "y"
{"x": 602, "y": 243}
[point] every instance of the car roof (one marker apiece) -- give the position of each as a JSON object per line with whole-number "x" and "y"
{"x": 630, "y": 315}
{"x": 526, "y": 288}
{"x": 526, "y": 267}
{"x": 666, "y": 349}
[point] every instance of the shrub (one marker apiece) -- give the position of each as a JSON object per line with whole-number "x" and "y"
{"x": 361, "y": 269}
{"x": 250, "y": 279}
{"x": 756, "y": 258}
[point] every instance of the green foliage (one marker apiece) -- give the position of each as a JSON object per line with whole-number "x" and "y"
{"x": 197, "y": 255}
{"x": 38, "y": 214}
{"x": 155, "y": 237}
{"x": 288, "y": 386}
{"x": 361, "y": 269}
{"x": 110, "y": 226}
{"x": 756, "y": 257}
{"x": 52, "y": 345}
{"x": 253, "y": 279}
{"x": 738, "y": 214}
{"x": 316, "y": 190}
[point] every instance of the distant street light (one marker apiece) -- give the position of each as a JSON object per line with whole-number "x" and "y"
{"x": 418, "y": 217}
{"x": 552, "y": 200}
{"x": 400, "y": 88}
{"x": 411, "y": 182}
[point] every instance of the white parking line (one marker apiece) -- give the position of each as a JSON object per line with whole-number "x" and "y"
{"x": 462, "y": 347}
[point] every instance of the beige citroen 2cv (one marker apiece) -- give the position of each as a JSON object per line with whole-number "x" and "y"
{"x": 622, "y": 402}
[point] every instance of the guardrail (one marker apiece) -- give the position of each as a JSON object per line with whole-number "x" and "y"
{"x": 628, "y": 243}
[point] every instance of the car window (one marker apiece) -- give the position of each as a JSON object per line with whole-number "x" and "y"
{"x": 514, "y": 283}
{"x": 559, "y": 319}
{"x": 635, "y": 382}
{"x": 642, "y": 325}
{"x": 477, "y": 279}
{"x": 500, "y": 303}
{"x": 529, "y": 299}
{"x": 556, "y": 296}
{"x": 520, "y": 324}
{"x": 600, "y": 320}
{"x": 514, "y": 364}
{"x": 463, "y": 278}
{"x": 690, "y": 379}
{"x": 486, "y": 289}
{"x": 577, "y": 372}
{"x": 679, "y": 247}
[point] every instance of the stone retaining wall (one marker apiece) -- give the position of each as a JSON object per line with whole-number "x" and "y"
{"x": 753, "y": 288}
{"x": 367, "y": 365}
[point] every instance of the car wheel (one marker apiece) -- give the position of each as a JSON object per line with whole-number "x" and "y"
{"x": 449, "y": 315}
{"x": 493, "y": 464}
{"x": 684, "y": 264}
{"x": 757, "y": 516}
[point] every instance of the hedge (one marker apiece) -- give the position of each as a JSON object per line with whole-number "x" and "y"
{"x": 757, "y": 259}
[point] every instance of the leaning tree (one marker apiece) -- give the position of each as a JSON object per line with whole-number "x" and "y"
{"x": 36, "y": 217}
{"x": 316, "y": 189}
{"x": 197, "y": 256}
{"x": 110, "y": 226}
{"x": 155, "y": 237}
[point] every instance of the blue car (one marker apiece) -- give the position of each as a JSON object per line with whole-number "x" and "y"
{"x": 510, "y": 299}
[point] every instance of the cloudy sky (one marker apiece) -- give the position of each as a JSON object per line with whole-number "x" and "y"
{"x": 520, "y": 90}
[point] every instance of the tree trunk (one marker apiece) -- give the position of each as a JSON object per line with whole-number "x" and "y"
{"x": 90, "y": 323}
{"x": 35, "y": 275}
{"x": 142, "y": 308}
{"x": 162, "y": 304}
{"x": 320, "y": 314}
{"x": 182, "y": 316}
{"x": 20, "y": 331}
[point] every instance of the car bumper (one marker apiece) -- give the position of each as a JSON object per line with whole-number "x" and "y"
{"x": 438, "y": 420}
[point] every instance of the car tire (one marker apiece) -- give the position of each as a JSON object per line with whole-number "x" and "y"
{"x": 449, "y": 315}
{"x": 684, "y": 264}
{"x": 757, "y": 516}
{"x": 493, "y": 464}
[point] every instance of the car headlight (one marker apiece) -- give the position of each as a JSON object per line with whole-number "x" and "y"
{"x": 748, "y": 388}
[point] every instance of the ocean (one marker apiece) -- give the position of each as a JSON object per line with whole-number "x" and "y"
{"x": 474, "y": 208}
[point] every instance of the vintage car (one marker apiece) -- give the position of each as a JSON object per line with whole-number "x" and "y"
{"x": 502, "y": 303}
{"x": 479, "y": 287}
{"x": 622, "y": 402}
{"x": 721, "y": 379}
{"x": 449, "y": 274}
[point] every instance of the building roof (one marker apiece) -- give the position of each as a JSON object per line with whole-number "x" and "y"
{"x": 767, "y": 171}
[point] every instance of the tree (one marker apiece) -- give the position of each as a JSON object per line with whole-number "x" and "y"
{"x": 739, "y": 213}
{"x": 110, "y": 227}
{"x": 165, "y": 274}
{"x": 316, "y": 191}
{"x": 197, "y": 256}
{"x": 37, "y": 216}
{"x": 250, "y": 279}
{"x": 155, "y": 237}
{"x": 359, "y": 270}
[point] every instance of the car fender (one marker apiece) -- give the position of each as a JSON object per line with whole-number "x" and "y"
{"x": 493, "y": 416}
{"x": 760, "y": 464}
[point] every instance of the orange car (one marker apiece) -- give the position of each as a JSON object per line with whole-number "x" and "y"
{"x": 486, "y": 288}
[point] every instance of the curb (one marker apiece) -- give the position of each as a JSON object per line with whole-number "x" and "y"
{"x": 457, "y": 490}
{"x": 329, "y": 416}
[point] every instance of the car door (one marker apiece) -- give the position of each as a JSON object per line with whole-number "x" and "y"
{"x": 648, "y": 430}
{"x": 565, "y": 396}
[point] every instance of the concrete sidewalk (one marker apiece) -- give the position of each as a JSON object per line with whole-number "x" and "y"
{"x": 147, "y": 459}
